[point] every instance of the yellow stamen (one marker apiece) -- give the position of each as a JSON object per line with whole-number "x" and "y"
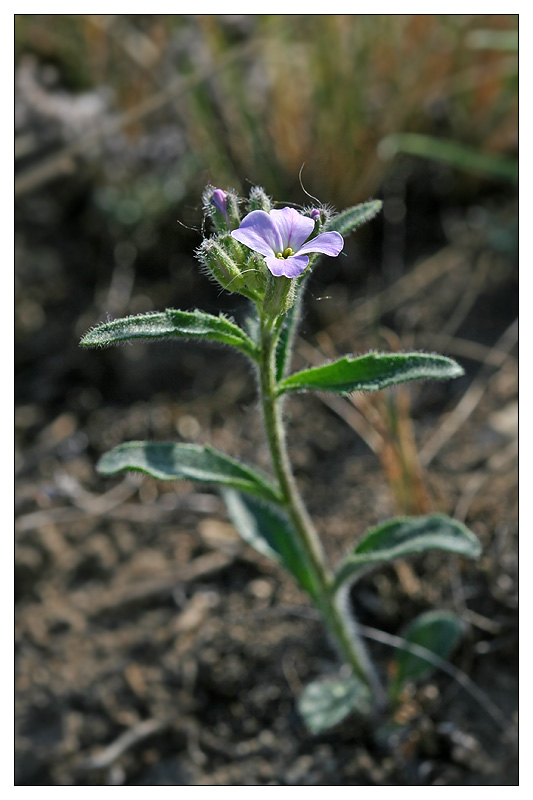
{"x": 286, "y": 253}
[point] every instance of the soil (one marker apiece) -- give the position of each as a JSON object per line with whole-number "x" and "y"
{"x": 153, "y": 647}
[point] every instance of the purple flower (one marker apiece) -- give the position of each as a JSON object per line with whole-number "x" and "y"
{"x": 219, "y": 201}
{"x": 280, "y": 235}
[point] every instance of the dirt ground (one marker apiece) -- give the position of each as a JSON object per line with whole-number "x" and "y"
{"x": 152, "y": 646}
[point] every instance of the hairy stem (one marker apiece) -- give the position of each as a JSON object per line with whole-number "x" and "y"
{"x": 340, "y": 624}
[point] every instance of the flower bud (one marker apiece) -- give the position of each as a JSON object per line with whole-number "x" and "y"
{"x": 280, "y": 295}
{"x": 216, "y": 259}
{"x": 259, "y": 200}
{"x": 255, "y": 274}
{"x": 232, "y": 210}
{"x": 223, "y": 208}
{"x": 219, "y": 201}
{"x": 320, "y": 216}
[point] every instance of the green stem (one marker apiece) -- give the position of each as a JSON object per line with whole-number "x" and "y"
{"x": 336, "y": 616}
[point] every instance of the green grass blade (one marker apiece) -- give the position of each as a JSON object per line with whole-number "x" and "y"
{"x": 455, "y": 154}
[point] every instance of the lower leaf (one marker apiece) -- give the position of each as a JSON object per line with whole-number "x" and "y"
{"x": 267, "y": 530}
{"x": 170, "y": 461}
{"x": 437, "y": 631}
{"x": 325, "y": 703}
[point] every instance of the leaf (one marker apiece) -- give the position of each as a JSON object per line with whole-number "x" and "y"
{"x": 371, "y": 372}
{"x": 325, "y": 703}
{"x": 353, "y": 217}
{"x": 437, "y": 631}
{"x": 171, "y": 324}
{"x": 268, "y": 531}
{"x": 170, "y": 461}
{"x": 405, "y": 536}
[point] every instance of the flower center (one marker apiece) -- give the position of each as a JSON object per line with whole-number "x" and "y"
{"x": 286, "y": 253}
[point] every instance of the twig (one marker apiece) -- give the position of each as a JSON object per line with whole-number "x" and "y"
{"x": 466, "y": 348}
{"x": 439, "y": 663}
{"x": 341, "y": 406}
{"x": 418, "y": 278}
{"x": 470, "y": 400}
{"x": 133, "y": 512}
{"x": 468, "y": 296}
{"x": 100, "y": 601}
{"x": 97, "y": 504}
{"x": 124, "y": 742}
{"x": 498, "y": 460}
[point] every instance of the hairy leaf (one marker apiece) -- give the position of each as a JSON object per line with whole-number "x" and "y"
{"x": 437, "y": 631}
{"x": 171, "y": 461}
{"x": 268, "y": 530}
{"x": 404, "y": 536}
{"x": 324, "y": 703}
{"x": 370, "y": 373}
{"x": 171, "y": 324}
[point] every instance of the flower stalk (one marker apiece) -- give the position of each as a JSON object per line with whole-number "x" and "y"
{"x": 341, "y": 625}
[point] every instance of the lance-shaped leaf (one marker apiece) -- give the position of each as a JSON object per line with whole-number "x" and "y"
{"x": 438, "y": 632}
{"x": 269, "y": 531}
{"x": 170, "y": 461}
{"x": 353, "y": 217}
{"x": 370, "y": 372}
{"x": 325, "y": 703}
{"x": 171, "y": 324}
{"x": 404, "y": 536}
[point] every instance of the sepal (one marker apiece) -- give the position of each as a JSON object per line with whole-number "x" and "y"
{"x": 259, "y": 200}
{"x": 216, "y": 259}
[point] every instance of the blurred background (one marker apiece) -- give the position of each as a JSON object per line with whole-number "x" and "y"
{"x": 152, "y": 647}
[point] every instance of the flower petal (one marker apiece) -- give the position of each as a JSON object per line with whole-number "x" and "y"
{"x": 290, "y": 267}
{"x": 292, "y": 226}
{"x": 258, "y": 231}
{"x": 330, "y": 243}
